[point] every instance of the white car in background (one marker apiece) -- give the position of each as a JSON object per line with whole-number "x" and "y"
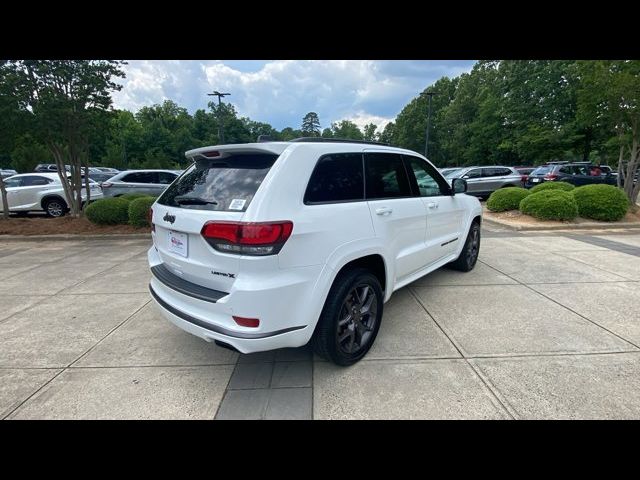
{"x": 37, "y": 192}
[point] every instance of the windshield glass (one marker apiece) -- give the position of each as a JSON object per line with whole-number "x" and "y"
{"x": 453, "y": 173}
{"x": 542, "y": 170}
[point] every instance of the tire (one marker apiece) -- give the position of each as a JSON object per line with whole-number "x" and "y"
{"x": 55, "y": 207}
{"x": 469, "y": 255}
{"x": 346, "y": 343}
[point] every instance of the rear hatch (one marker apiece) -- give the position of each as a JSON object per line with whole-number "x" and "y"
{"x": 219, "y": 186}
{"x": 537, "y": 176}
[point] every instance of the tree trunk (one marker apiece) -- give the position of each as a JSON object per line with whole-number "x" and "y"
{"x": 5, "y": 202}
{"x": 620, "y": 179}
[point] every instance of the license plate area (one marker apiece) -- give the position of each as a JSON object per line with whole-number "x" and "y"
{"x": 178, "y": 243}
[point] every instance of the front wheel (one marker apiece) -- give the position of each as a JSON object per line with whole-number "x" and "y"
{"x": 350, "y": 319}
{"x": 55, "y": 207}
{"x": 469, "y": 255}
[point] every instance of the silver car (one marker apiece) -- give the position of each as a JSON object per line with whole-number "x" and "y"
{"x": 148, "y": 182}
{"x": 483, "y": 181}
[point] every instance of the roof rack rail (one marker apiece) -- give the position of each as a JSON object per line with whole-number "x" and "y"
{"x": 334, "y": 140}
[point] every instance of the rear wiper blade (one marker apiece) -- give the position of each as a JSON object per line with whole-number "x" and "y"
{"x": 184, "y": 200}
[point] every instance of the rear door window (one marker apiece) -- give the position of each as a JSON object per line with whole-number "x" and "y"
{"x": 222, "y": 184}
{"x": 139, "y": 177}
{"x": 336, "y": 178}
{"x": 165, "y": 178}
{"x": 475, "y": 173}
{"x": 34, "y": 180}
{"x": 386, "y": 176}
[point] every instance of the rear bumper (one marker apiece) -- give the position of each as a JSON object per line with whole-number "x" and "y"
{"x": 281, "y": 302}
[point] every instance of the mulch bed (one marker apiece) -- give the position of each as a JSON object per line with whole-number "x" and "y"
{"x": 61, "y": 226}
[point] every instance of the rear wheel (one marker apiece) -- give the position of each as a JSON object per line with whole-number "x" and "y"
{"x": 469, "y": 255}
{"x": 55, "y": 207}
{"x": 350, "y": 319}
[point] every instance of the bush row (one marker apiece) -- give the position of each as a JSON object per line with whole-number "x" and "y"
{"x": 132, "y": 208}
{"x": 562, "y": 201}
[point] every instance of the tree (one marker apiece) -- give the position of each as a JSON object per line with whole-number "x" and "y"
{"x": 28, "y": 153}
{"x": 370, "y": 134}
{"x": 289, "y": 133}
{"x": 388, "y": 134}
{"x": 346, "y": 129}
{"x": 327, "y": 133}
{"x": 63, "y": 100}
{"x": 609, "y": 96}
{"x": 311, "y": 125}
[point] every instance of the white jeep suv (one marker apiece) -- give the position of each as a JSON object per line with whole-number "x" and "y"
{"x": 268, "y": 245}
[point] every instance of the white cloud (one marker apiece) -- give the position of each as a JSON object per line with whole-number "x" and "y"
{"x": 281, "y": 92}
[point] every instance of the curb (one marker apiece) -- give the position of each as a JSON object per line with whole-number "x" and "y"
{"x": 112, "y": 236}
{"x": 577, "y": 226}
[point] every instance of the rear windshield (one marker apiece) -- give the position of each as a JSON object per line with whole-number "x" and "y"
{"x": 542, "y": 170}
{"x": 222, "y": 184}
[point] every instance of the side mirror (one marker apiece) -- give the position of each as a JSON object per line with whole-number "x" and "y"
{"x": 458, "y": 185}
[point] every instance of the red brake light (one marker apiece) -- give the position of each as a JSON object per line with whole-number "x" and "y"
{"x": 211, "y": 154}
{"x": 150, "y": 219}
{"x": 264, "y": 238}
{"x": 550, "y": 176}
{"x": 247, "y": 322}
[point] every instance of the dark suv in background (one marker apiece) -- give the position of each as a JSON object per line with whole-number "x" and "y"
{"x": 575, "y": 173}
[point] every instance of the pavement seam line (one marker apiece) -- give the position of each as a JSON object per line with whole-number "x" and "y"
{"x": 226, "y": 388}
{"x": 569, "y": 309}
{"x": 108, "y": 333}
{"x": 45, "y": 297}
{"x": 497, "y": 394}
{"x": 460, "y": 351}
{"x": 599, "y": 268}
{"x": 34, "y": 393}
{"x": 64, "y": 369}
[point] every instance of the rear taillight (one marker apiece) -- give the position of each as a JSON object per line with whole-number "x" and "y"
{"x": 550, "y": 176}
{"x": 106, "y": 184}
{"x": 247, "y": 322}
{"x": 265, "y": 238}
{"x": 150, "y": 219}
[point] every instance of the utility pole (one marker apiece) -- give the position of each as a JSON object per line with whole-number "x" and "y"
{"x": 220, "y": 128}
{"x": 426, "y": 142}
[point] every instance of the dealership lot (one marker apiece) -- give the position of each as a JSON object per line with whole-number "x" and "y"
{"x": 546, "y": 326}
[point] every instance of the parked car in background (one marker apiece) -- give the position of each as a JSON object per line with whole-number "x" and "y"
{"x": 6, "y": 173}
{"x": 575, "y": 173}
{"x": 98, "y": 175}
{"x": 149, "y": 182}
{"x": 524, "y": 172}
{"x": 483, "y": 181}
{"x": 274, "y": 244}
{"x": 29, "y": 192}
{"x": 113, "y": 171}
{"x": 47, "y": 167}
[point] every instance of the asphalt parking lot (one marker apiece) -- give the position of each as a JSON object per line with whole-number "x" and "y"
{"x": 547, "y": 326}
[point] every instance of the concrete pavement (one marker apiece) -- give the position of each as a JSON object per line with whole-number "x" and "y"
{"x": 546, "y": 326}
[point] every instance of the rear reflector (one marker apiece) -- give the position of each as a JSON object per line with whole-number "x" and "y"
{"x": 247, "y": 322}
{"x": 265, "y": 238}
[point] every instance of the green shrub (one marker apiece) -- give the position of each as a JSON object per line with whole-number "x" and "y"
{"x": 552, "y": 186}
{"x": 133, "y": 196}
{"x": 506, "y": 199}
{"x": 108, "y": 211}
{"x": 550, "y": 204}
{"x": 138, "y": 211}
{"x": 601, "y": 202}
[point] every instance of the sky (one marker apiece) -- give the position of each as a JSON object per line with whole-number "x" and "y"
{"x": 281, "y": 92}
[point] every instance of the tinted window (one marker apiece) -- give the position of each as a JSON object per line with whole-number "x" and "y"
{"x": 11, "y": 182}
{"x": 336, "y": 178}
{"x": 166, "y": 178}
{"x": 541, "y": 170}
{"x": 227, "y": 183}
{"x": 139, "y": 177}
{"x": 34, "y": 180}
{"x": 428, "y": 182}
{"x": 386, "y": 176}
{"x": 475, "y": 173}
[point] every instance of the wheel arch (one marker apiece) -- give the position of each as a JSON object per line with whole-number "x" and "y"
{"x": 52, "y": 196}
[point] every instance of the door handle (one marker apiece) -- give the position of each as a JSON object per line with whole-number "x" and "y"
{"x": 383, "y": 211}
{"x": 432, "y": 205}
